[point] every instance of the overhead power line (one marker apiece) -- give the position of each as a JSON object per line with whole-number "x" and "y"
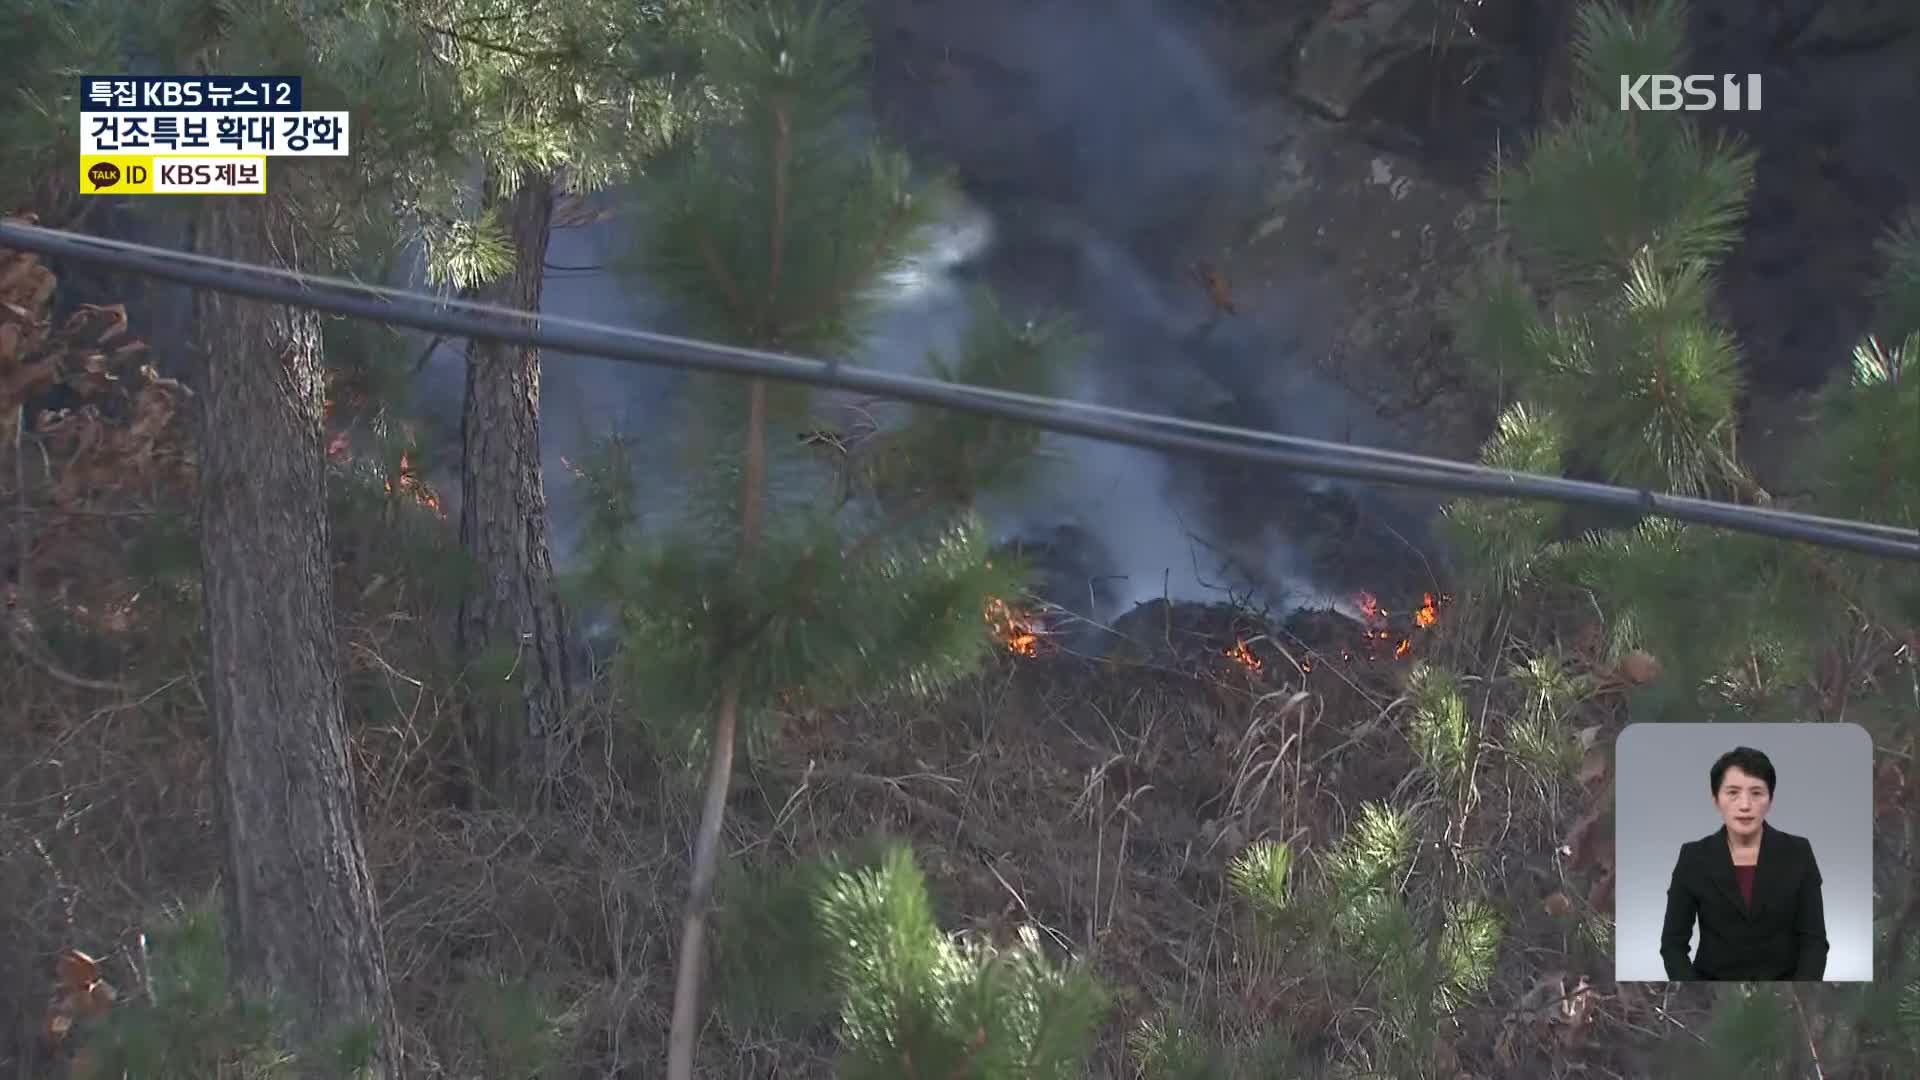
{"x": 468, "y": 319}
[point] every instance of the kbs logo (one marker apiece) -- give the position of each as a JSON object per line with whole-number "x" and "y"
{"x": 1693, "y": 93}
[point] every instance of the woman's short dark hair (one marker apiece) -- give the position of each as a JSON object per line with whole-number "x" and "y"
{"x": 1747, "y": 760}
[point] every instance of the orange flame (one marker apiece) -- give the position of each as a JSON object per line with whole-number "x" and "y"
{"x": 406, "y": 481}
{"x": 1015, "y": 631}
{"x": 1428, "y": 612}
{"x": 1243, "y": 656}
{"x": 1386, "y": 636}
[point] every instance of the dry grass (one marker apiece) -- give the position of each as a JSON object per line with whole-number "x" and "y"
{"x": 1097, "y": 799}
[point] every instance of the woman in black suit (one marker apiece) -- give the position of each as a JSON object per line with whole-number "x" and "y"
{"x": 1754, "y": 890}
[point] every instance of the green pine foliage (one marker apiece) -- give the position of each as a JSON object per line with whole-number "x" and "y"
{"x": 187, "y": 1024}
{"x": 1867, "y": 461}
{"x": 1717, "y": 608}
{"x": 587, "y": 93}
{"x": 1907, "y": 1015}
{"x": 1500, "y": 543}
{"x": 1537, "y": 733}
{"x": 49, "y": 45}
{"x": 370, "y": 58}
{"x": 872, "y": 574}
{"x": 796, "y": 575}
{"x": 594, "y": 87}
{"x": 854, "y": 938}
{"x": 1166, "y": 1048}
{"x": 1260, "y": 876}
{"x": 1621, "y": 217}
{"x": 183, "y": 1021}
{"x": 1599, "y": 330}
{"x": 1385, "y": 942}
{"x": 521, "y": 1031}
{"x": 1900, "y": 291}
{"x": 1372, "y": 856}
{"x": 771, "y": 953}
{"x": 1438, "y": 725}
{"x": 809, "y": 617}
{"x": 918, "y": 1002}
{"x": 1867, "y": 466}
{"x": 776, "y": 229}
{"x": 1607, "y": 185}
{"x": 1751, "y": 1034}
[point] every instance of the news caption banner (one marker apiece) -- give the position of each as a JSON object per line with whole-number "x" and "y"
{"x": 196, "y": 134}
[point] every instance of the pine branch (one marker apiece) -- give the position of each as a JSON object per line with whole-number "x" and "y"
{"x": 498, "y": 46}
{"x": 899, "y": 219}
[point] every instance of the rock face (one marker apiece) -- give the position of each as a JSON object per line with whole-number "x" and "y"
{"x": 1839, "y": 155}
{"x": 1835, "y": 140}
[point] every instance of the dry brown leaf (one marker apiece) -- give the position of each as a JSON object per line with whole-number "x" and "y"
{"x": 24, "y": 382}
{"x": 98, "y": 999}
{"x": 1558, "y": 905}
{"x": 1640, "y": 668}
{"x": 115, "y": 316}
{"x": 77, "y": 971}
{"x": 14, "y": 269}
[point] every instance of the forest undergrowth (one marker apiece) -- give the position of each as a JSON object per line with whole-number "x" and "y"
{"x": 1139, "y": 810}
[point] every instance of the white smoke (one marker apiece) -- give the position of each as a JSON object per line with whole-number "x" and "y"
{"x": 1112, "y": 137}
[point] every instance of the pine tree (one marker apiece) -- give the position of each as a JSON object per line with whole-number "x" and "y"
{"x": 49, "y": 45}
{"x": 1619, "y": 219}
{"x": 853, "y": 937}
{"x": 918, "y": 1002}
{"x": 566, "y": 99}
{"x": 301, "y": 925}
{"x": 302, "y": 921}
{"x": 792, "y": 573}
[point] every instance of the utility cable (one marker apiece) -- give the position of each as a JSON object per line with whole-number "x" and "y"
{"x": 467, "y": 319}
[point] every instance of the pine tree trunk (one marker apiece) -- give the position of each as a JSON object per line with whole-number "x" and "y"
{"x": 511, "y": 614}
{"x": 301, "y": 919}
{"x": 685, "y": 1026}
